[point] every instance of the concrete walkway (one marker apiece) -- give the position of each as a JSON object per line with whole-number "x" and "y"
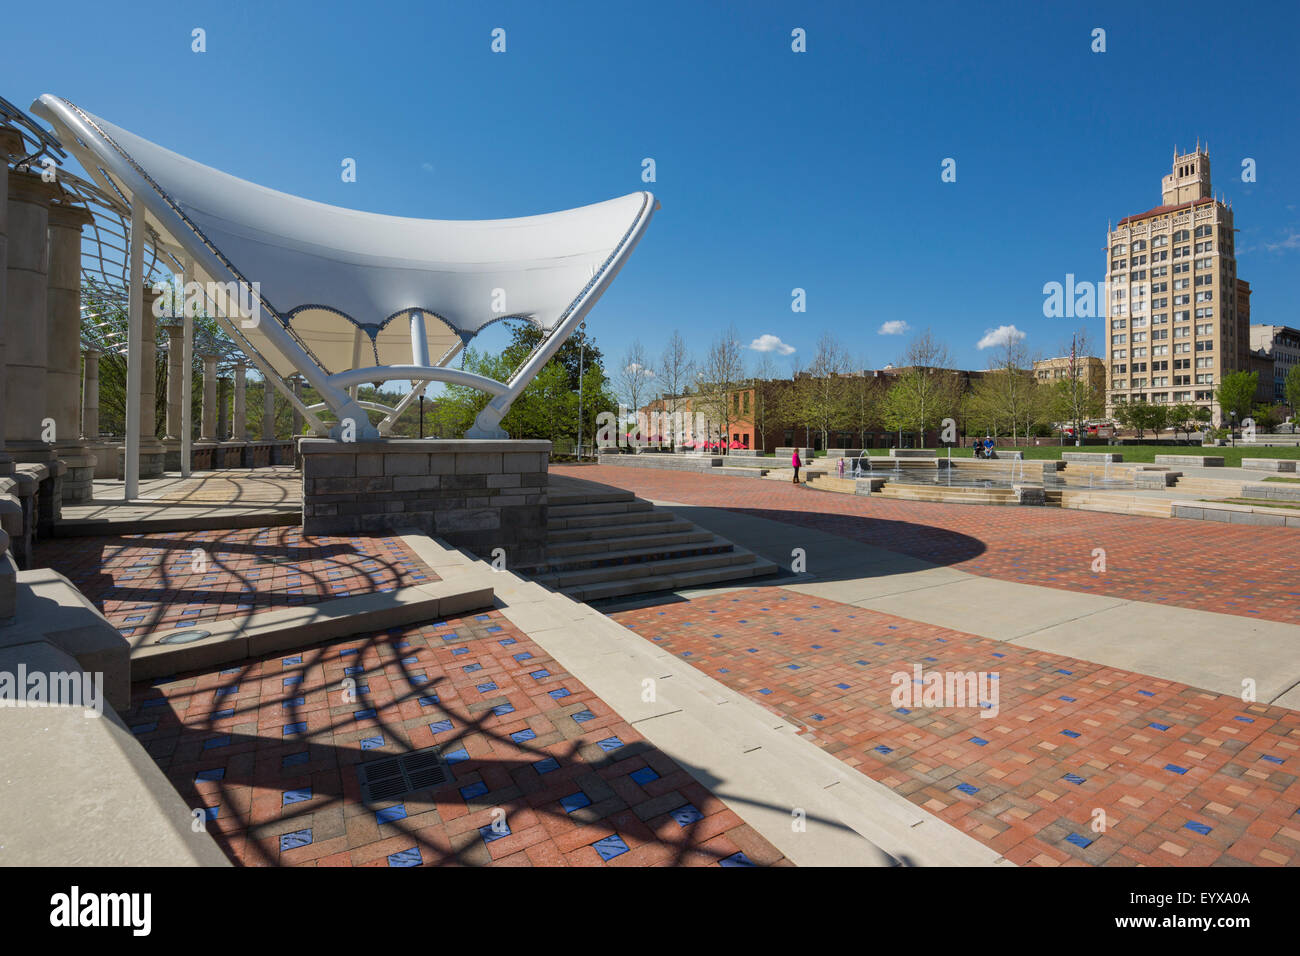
{"x": 229, "y": 498}
{"x": 1200, "y": 648}
{"x": 813, "y": 807}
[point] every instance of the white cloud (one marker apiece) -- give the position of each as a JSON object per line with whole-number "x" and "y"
{"x": 771, "y": 343}
{"x": 635, "y": 369}
{"x": 896, "y": 327}
{"x": 1002, "y": 335}
{"x": 1290, "y": 242}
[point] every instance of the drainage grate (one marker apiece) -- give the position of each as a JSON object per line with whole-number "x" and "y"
{"x": 394, "y": 777}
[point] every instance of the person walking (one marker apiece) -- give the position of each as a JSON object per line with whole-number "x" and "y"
{"x": 794, "y": 460}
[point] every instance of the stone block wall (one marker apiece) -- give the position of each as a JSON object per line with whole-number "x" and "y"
{"x": 477, "y": 495}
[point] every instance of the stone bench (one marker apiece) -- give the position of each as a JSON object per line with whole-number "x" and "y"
{"x": 913, "y": 453}
{"x": 1029, "y": 494}
{"x": 673, "y": 462}
{"x": 1156, "y": 479}
{"x": 868, "y": 486}
{"x": 1273, "y": 491}
{"x": 844, "y": 452}
{"x": 805, "y": 454}
{"x": 1269, "y": 464}
{"x": 1092, "y": 457}
{"x": 1202, "y": 461}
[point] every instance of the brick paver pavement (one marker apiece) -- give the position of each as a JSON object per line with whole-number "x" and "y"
{"x": 268, "y": 752}
{"x": 1231, "y": 569}
{"x": 1179, "y": 775}
{"x": 163, "y": 581}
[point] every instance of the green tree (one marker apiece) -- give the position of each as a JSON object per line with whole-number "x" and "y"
{"x": 1292, "y": 389}
{"x": 1236, "y": 393}
{"x": 1157, "y": 417}
{"x": 1183, "y": 417}
{"x": 822, "y": 393}
{"x": 925, "y": 391}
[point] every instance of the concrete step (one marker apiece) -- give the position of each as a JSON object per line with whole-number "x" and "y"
{"x": 621, "y": 530}
{"x": 559, "y": 553}
{"x": 587, "y": 508}
{"x": 1116, "y": 503}
{"x": 1213, "y": 487}
{"x": 994, "y": 496}
{"x": 564, "y": 498}
{"x": 744, "y": 566}
{"x": 717, "y": 553}
{"x": 643, "y": 517}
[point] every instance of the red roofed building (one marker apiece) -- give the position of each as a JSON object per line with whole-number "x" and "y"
{"x": 1177, "y": 317}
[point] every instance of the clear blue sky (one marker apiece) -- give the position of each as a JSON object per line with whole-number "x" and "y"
{"x": 776, "y": 170}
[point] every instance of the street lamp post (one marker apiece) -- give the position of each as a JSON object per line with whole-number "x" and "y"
{"x": 582, "y": 355}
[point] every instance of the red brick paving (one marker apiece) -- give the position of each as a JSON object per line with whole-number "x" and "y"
{"x": 1231, "y": 569}
{"x": 152, "y": 582}
{"x": 241, "y": 722}
{"x": 1055, "y": 716}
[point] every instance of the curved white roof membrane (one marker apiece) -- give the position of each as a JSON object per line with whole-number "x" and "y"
{"x": 324, "y": 270}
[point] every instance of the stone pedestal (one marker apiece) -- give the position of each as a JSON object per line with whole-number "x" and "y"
{"x": 172, "y": 454}
{"x": 477, "y": 495}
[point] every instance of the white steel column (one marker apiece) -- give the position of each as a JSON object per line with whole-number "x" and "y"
{"x": 134, "y": 350}
{"x": 187, "y": 371}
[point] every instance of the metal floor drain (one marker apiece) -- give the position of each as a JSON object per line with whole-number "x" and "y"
{"x": 394, "y": 777}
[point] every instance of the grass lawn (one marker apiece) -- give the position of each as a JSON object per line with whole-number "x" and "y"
{"x": 1290, "y": 481}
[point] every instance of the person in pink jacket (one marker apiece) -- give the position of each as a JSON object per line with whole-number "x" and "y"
{"x": 794, "y": 460}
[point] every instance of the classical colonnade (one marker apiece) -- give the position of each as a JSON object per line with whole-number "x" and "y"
{"x": 49, "y": 384}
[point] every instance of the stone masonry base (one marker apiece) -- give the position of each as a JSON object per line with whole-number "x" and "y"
{"x": 477, "y": 495}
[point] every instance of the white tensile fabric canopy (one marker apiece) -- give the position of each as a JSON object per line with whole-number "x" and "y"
{"x": 323, "y": 272}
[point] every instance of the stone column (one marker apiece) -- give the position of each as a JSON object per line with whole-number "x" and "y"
{"x": 208, "y": 419}
{"x": 223, "y": 409}
{"x": 268, "y": 409}
{"x": 26, "y": 317}
{"x": 90, "y": 395}
{"x": 175, "y": 372}
{"x": 175, "y": 402}
{"x": 151, "y": 449}
{"x": 62, "y": 377}
{"x": 297, "y": 415}
{"x": 11, "y": 145}
{"x": 240, "y": 432}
